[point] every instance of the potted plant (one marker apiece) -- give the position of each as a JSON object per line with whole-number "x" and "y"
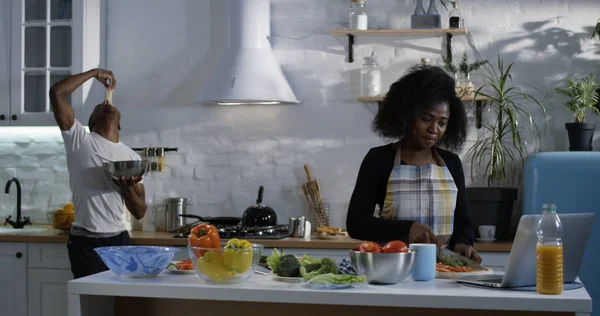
{"x": 583, "y": 95}
{"x": 596, "y": 33}
{"x": 501, "y": 148}
{"x": 462, "y": 74}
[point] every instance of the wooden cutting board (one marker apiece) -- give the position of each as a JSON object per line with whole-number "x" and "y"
{"x": 457, "y": 275}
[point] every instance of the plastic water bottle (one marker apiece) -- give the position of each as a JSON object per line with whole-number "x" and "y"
{"x": 549, "y": 250}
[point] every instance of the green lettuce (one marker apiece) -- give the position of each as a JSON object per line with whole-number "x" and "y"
{"x": 332, "y": 278}
{"x": 326, "y": 266}
{"x": 309, "y": 260}
{"x": 273, "y": 259}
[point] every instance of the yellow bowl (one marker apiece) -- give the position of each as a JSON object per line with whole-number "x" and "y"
{"x": 219, "y": 265}
{"x": 60, "y": 219}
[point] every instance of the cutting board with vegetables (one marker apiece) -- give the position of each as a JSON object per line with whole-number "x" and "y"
{"x": 444, "y": 272}
{"x": 451, "y": 265}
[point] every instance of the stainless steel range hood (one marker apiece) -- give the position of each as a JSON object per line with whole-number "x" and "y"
{"x": 248, "y": 72}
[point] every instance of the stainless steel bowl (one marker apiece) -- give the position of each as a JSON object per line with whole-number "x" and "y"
{"x": 127, "y": 168}
{"x": 383, "y": 268}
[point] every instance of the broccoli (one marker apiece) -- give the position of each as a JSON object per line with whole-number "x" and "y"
{"x": 328, "y": 266}
{"x": 288, "y": 266}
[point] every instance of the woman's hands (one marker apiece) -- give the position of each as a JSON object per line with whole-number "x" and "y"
{"x": 467, "y": 251}
{"x": 420, "y": 233}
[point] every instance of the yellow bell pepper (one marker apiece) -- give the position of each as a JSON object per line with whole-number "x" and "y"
{"x": 212, "y": 265}
{"x": 238, "y": 255}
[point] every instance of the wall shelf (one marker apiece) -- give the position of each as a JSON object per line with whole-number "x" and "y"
{"x": 380, "y": 99}
{"x": 400, "y": 32}
{"x": 478, "y": 105}
{"x": 419, "y": 32}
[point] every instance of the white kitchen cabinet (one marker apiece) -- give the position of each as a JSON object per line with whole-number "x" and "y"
{"x": 47, "y": 277}
{"x": 4, "y": 61}
{"x": 13, "y": 279}
{"x": 51, "y": 39}
{"x": 47, "y": 292}
{"x": 48, "y": 255}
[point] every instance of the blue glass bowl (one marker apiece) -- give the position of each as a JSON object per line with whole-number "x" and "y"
{"x": 136, "y": 261}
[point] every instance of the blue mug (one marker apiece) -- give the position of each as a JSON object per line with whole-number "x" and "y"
{"x": 424, "y": 264}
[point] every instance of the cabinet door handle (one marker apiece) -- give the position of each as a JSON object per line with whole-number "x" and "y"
{"x": 19, "y": 255}
{"x": 2, "y": 117}
{"x": 14, "y": 117}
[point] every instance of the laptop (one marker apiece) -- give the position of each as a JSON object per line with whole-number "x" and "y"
{"x": 521, "y": 267}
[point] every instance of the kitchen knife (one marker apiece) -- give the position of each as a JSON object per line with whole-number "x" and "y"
{"x": 445, "y": 255}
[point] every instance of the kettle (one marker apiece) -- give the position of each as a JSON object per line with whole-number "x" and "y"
{"x": 259, "y": 215}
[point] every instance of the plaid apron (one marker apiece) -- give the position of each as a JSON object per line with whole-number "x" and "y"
{"x": 425, "y": 194}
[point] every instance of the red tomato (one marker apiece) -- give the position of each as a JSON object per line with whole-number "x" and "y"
{"x": 369, "y": 246}
{"x": 395, "y": 246}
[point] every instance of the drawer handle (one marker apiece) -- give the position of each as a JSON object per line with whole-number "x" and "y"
{"x": 19, "y": 255}
{"x": 2, "y": 117}
{"x": 14, "y": 117}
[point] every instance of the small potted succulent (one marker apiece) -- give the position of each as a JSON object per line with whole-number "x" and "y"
{"x": 462, "y": 74}
{"x": 583, "y": 95}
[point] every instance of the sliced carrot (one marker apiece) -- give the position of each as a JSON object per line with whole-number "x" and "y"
{"x": 185, "y": 265}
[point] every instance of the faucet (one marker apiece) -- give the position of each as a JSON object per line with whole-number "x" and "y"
{"x": 18, "y": 223}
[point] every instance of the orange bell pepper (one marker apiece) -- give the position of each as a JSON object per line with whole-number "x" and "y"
{"x": 205, "y": 236}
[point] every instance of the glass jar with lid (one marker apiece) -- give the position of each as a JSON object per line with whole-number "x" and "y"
{"x": 370, "y": 76}
{"x": 358, "y": 19}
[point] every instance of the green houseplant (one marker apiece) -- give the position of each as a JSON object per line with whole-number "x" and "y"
{"x": 583, "y": 95}
{"x": 501, "y": 148}
{"x": 596, "y": 32}
{"x": 462, "y": 74}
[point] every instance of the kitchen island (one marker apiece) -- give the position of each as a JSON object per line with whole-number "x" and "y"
{"x": 106, "y": 294}
{"x": 33, "y": 262}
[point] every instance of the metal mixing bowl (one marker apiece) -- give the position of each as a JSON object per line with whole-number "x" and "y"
{"x": 127, "y": 168}
{"x": 383, "y": 268}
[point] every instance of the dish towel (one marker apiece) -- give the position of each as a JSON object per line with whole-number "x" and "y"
{"x": 346, "y": 267}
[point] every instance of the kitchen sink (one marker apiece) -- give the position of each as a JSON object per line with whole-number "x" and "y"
{"x": 24, "y": 230}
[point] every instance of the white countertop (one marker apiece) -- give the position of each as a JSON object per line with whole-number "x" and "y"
{"x": 260, "y": 288}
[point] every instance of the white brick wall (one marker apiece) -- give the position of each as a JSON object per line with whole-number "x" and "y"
{"x": 158, "y": 51}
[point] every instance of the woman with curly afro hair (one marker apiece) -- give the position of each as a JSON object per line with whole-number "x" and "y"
{"x": 417, "y": 182}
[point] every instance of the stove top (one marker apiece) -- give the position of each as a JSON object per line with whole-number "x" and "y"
{"x": 258, "y": 232}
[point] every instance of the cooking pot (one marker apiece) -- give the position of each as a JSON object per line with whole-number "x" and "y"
{"x": 174, "y": 207}
{"x": 259, "y": 215}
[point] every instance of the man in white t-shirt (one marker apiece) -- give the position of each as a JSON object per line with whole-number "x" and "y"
{"x": 99, "y": 203}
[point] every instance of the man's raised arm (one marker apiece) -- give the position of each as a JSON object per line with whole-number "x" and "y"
{"x": 63, "y": 112}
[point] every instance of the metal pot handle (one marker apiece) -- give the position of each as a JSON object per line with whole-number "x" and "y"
{"x": 188, "y": 227}
{"x": 180, "y": 229}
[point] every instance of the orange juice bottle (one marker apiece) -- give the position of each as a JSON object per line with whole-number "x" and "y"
{"x": 549, "y": 250}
